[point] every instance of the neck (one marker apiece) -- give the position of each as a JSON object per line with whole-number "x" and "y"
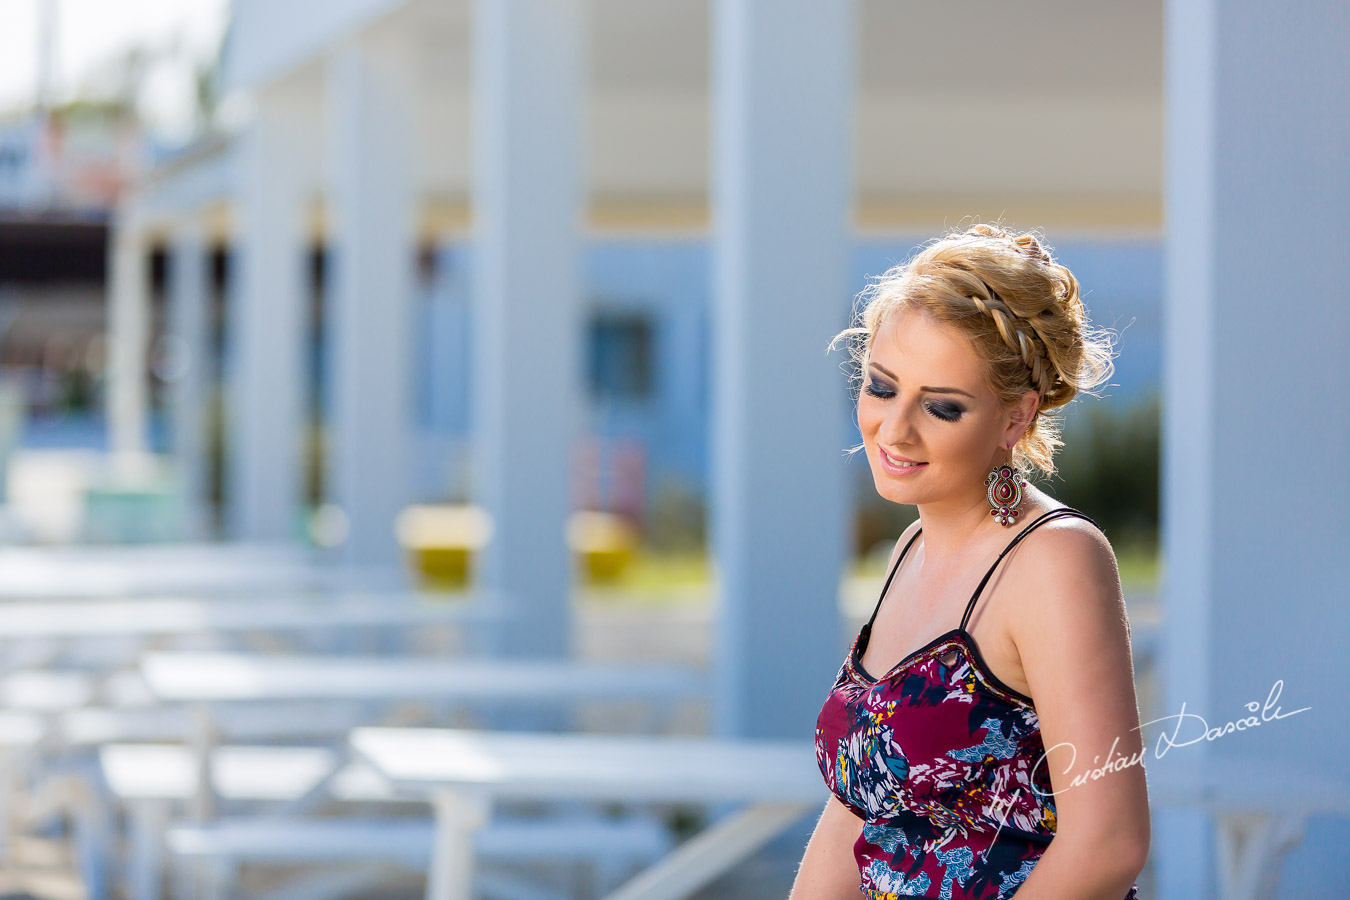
{"x": 953, "y": 527}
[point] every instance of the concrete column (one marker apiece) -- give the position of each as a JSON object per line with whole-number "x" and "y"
{"x": 189, "y": 314}
{"x": 782, "y": 95}
{"x": 527, "y": 201}
{"x": 128, "y": 334}
{"x": 1257, "y": 319}
{"x": 268, "y": 310}
{"x": 370, "y": 291}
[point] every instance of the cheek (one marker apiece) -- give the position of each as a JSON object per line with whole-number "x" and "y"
{"x": 870, "y": 415}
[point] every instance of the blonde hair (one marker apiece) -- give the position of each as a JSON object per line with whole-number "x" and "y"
{"x": 1020, "y": 310}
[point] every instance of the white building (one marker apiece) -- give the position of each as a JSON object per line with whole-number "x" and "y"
{"x": 782, "y": 132}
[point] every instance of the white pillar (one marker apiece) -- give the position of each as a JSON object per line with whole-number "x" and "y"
{"x": 189, "y": 318}
{"x": 268, "y": 312}
{"x": 1257, "y": 319}
{"x": 782, "y": 94}
{"x": 527, "y": 184}
{"x": 372, "y": 259}
{"x": 128, "y": 334}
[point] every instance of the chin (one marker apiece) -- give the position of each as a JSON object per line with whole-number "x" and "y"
{"x": 889, "y": 490}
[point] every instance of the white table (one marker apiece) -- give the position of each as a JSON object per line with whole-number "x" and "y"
{"x": 211, "y": 681}
{"x": 172, "y": 722}
{"x": 200, "y": 568}
{"x": 150, "y": 779}
{"x": 463, "y": 772}
{"x": 36, "y": 691}
{"x": 51, "y": 691}
{"x": 57, "y": 624}
{"x": 1260, "y": 809}
{"x": 166, "y": 772}
{"x": 18, "y": 729}
{"x": 34, "y": 633}
{"x": 223, "y": 677}
{"x": 194, "y": 615}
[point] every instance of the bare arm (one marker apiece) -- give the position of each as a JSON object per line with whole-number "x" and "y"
{"x": 828, "y": 870}
{"x": 1075, "y": 651}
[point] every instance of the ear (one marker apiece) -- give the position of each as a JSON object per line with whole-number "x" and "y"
{"x": 1020, "y": 417}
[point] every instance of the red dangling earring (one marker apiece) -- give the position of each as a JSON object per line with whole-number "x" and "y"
{"x": 1005, "y": 493}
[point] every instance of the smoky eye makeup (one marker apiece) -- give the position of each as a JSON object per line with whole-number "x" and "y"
{"x": 944, "y": 410}
{"x": 947, "y": 412}
{"x": 878, "y": 390}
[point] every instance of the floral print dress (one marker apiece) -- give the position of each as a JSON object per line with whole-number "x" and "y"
{"x": 940, "y": 759}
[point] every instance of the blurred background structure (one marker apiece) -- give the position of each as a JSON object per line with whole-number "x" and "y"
{"x": 532, "y": 299}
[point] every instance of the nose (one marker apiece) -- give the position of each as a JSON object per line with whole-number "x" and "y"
{"x": 898, "y": 428}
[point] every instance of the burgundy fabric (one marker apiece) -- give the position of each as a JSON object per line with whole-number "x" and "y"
{"x": 940, "y": 760}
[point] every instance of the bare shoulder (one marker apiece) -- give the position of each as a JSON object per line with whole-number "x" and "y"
{"x": 1069, "y": 542}
{"x": 1068, "y": 570}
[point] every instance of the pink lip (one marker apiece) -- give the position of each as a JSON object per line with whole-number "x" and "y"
{"x": 900, "y": 470}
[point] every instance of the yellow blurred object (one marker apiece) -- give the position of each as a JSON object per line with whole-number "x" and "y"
{"x": 441, "y": 540}
{"x": 605, "y": 542}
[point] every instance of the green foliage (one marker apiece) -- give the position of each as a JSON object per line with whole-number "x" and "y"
{"x": 1110, "y": 468}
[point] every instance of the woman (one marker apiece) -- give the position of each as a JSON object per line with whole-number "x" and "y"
{"x": 930, "y": 740}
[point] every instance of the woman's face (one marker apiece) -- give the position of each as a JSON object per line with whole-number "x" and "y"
{"x": 924, "y": 399}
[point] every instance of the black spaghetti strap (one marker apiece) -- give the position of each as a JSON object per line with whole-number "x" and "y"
{"x": 1052, "y": 514}
{"x": 891, "y": 576}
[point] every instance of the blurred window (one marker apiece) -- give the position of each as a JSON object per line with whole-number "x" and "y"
{"x": 620, "y": 350}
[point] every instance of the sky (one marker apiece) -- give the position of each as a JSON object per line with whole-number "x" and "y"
{"x": 91, "y": 35}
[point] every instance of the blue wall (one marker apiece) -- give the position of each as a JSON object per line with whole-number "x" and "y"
{"x": 668, "y": 281}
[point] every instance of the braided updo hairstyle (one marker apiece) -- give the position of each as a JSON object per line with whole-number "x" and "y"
{"x": 1021, "y": 312}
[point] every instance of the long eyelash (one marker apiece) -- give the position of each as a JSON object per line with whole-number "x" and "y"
{"x": 947, "y": 414}
{"x": 950, "y": 414}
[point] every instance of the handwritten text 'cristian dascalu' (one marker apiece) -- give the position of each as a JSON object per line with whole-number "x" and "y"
{"x": 1197, "y": 728}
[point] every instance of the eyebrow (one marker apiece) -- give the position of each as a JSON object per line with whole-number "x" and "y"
{"x": 926, "y": 388}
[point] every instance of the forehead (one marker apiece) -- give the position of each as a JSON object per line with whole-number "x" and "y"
{"x": 914, "y": 345}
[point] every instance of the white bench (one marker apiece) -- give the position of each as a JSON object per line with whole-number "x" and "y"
{"x": 152, "y": 779}
{"x": 464, "y": 772}
{"x": 226, "y": 844}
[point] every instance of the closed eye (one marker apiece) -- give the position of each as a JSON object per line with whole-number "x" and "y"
{"x": 945, "y": 411}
